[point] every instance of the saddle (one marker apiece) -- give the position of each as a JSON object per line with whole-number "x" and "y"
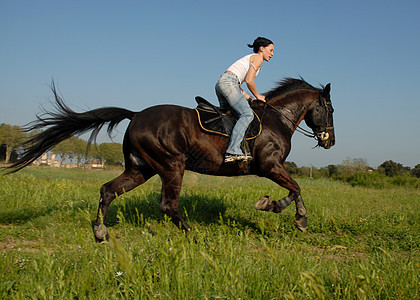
{"x": 220, "y": 120}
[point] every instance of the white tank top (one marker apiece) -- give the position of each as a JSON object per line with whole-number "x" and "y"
{"x": 241, "y": 67}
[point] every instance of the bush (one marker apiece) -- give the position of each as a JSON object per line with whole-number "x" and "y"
{"x": 378, "y": 180}
{"x": 405, "y": 180}
{"x": 416, "y": 171}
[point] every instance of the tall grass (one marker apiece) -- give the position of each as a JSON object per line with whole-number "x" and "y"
{"x": 362, "y": 243}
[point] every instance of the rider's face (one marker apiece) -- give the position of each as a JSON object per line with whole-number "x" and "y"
{"x": 267, "y": 52}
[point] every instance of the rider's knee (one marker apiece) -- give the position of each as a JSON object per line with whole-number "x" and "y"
{"x": 247, "y": 115}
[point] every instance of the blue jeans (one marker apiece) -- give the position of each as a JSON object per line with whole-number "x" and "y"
{"x": 229, "y": 93}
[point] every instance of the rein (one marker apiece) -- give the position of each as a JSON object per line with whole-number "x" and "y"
{"x": 298, "y": 128}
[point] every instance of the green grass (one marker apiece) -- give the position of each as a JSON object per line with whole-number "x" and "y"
{"x": 362, "y": 243}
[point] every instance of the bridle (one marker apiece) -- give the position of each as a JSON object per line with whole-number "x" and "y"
{"x": 320, "y": 134}
{"x": 327, "y": 106}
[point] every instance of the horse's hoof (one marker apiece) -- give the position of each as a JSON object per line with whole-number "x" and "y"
{"x": 264, "y": 203}
{"x": 301, "y": 223}
{"x": 101, "y": 233}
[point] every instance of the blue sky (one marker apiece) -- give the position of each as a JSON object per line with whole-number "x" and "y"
{"x": 135, "y": 54}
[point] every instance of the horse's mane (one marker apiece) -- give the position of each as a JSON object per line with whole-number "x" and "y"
{"x": 288, "y": 85}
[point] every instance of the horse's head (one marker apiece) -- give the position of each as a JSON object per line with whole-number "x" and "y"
{"x": 320, "y": 119}
{"x": 318, "y": 114}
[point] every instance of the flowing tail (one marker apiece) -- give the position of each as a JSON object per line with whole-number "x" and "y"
{"x": 62, "y": 124}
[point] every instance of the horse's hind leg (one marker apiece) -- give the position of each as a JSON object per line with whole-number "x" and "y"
{"x": 171, "y": 188}
{"x": 127, "y": 181}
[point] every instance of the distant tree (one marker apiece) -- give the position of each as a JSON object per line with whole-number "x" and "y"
{"x": 332, "y": 170}
{"x": 79, "y": 149}
{"x": 10, "y": 137}
{"x": 291, "y": 167}
{"x": 62, "y": 149}
{"x": 416, "y": 171}
{"x": 323, "y": 172}
{"x": 71, "y": 148}
{"x": 311, "y": 172}
{"x": 93, "y": 152}
{"x": 111, "y": 153}
{"x": 13, "y": 155}
{"x": 352, "y": 166}
{"x": 2, "y": 152}
{"x": 391, "y": 168}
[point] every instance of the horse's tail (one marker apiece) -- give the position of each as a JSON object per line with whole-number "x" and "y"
{"x": 62, "y": 124}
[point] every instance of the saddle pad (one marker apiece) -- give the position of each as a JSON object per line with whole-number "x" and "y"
{"x": 222, "y": 124}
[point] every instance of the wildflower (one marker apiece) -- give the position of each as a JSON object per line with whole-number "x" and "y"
{"x": 119, "y": 273}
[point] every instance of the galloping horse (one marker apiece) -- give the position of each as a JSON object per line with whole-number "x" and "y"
{"x": 167, "y": 140}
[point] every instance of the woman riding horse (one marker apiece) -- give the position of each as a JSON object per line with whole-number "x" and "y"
{"x": 229, "y": 93}
{"x": 167, "y": 140}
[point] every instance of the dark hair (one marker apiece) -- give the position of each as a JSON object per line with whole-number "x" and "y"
{"x": 260, "y": 41}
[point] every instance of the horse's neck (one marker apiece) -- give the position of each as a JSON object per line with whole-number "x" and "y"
{"x": 294, "y": 106}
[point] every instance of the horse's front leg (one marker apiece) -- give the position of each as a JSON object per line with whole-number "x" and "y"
{"x": 279, "y": 175}
{"x": 300, "y": 222}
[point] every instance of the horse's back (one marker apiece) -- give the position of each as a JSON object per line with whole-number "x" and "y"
{"x": 162, "y": 109}
{"x": 162, "y": 115}
{"x": 162, "y": 127}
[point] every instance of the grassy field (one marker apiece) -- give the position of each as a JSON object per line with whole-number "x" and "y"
{"x": 362, "y": 243}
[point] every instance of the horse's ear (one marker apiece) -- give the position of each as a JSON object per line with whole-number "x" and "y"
{"x": 327, "y": 89}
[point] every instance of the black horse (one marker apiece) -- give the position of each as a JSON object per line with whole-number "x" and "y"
{"x": 167, "y": 140}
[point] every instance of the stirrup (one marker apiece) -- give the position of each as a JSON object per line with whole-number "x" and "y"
{"x": 230, "y": 158}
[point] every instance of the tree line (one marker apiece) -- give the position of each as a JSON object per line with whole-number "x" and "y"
{"x": 357, "y": 172}
{"x": 351, "y": 166}
{"x": 72, "y": 149}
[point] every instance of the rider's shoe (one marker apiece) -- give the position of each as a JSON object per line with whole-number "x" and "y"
{"x": 231, "y": 158}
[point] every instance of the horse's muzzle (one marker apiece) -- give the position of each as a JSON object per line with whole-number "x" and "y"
{"x": 326, "y": 138}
